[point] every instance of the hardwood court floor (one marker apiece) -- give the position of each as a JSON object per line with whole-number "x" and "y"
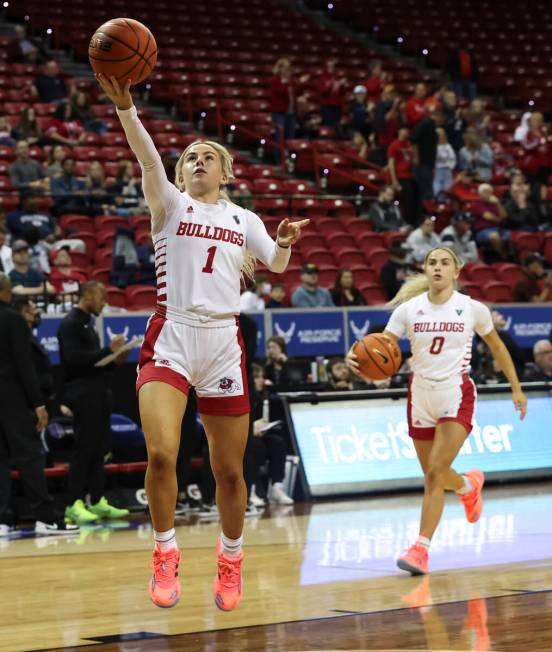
{"x": 317, "y": 577}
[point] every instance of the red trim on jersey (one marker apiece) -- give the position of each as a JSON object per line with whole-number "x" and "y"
{"x": 161, "y": 310}
{"x": 466, "y": 410}
{"x": 160, "y": 286}
{"x": 147, "y": 370}
{"x": 229, "y": 405}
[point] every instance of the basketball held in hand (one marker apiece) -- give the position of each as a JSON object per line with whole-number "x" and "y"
{"x": 123, "y": 48}
{"x": 378, "y": 356}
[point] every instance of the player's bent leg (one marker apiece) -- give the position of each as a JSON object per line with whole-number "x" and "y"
{"x": 162, "y": 408}
{"x": 453, "y": 481}
{"x": 227, "y": 436}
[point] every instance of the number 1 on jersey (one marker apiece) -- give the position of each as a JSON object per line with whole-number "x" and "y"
{"x": 208, "y": 269}
{"x": 437, "y": 345}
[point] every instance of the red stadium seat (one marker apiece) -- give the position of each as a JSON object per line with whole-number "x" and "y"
{"x": 481, "y": 273}
{"x": 474, "y": 290}
{"x": 141, "y": 297}
{"x": 349, "y": 256}
{"x": 338, "y": 241}
{"x": 364, "y": 275}
{"x": 524, "y": 240}
{"x": 78, "y": 259}
{"x": 498, "y": 292}
{"x": 377, "y": 257}
{"x": 547, "y": 247}
{"x": 310, "y": 241}
{"x": 101, "y": 274}
{"x": 79, "y": 223}
{"x": 368, "y": 241}
{"x": 268, "y": 186}
{"x": 111, "y": 222}
{"x": 373, "y": 293}
{"x": 509, "y": 273}
{"x": 113, "y": 139}
{"x": 116, "y": 297}
{"x": 319, "y": 256}
{"x": 103, "y": 257}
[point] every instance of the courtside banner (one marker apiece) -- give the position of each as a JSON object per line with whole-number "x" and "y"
{"x": 129, "y": 325}
{"x": 310, "y": 333}
{"x": 353, "y": 446}
{"x": 47, "y": 336}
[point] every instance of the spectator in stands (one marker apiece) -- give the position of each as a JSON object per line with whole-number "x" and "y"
{"x": 541, "y": 371}
{"x": 386, "y": 120}
{"x": 400, "y": 155}
{"x": 476, "y": 157}
{"x": 240, "y": 195}
{"x": 83, "y": 112}
{"x": 461, "y": 67}
{"x": 535, "y": 287}
{"x": 477, "y": 118}
{"x": 536, "y": 163}
{"x": 39, "y": 250}
{"x": 68, "y": 191}
{"x": 415, "y": 108}
{"x": 284, "y": 91}
{"x": 361, "y": 113}
{"x": 29, "y": 215}
{"x": 64, "y": 277}
{"x": 425, "y": 138}
{"x": 252, "y": 300}
{"x": 309, "y": 295}
{"x": 385, "y": 214}
{"x": 454, "y": 121}
{"x": 276, "y": 359}
{"x": 25, "y": 280}
{"x": 127, "y": 191}
{"x": 146, "y": 259}
{"x": 543, "y": 206}
{"x": 458, "y": 235}
{"x": 344, "y": 292}
{"x": 267, "y": 445}
{"x": 22, "y": 49}
{"x": 489, "y": 216}
{"x": 394, "y": 272}
{"x": 97, "y": 196}
{"x": 339, "y": 375}
{"x": 520, "y": 212}
{"x": 444, "y": 164}
{"x": 7, "y": 133}
{"x": 331, "y": 87}
{"x": 423, "y": 239}
{"x": 277, "y": 296}
{"x": 28, "y": 128}
{"x": 64, "y": 128}
{"x": 522, "y": 128}
{"x": 26, "y": 174}
{"x": 6, "y": 262}
{"x": 50, "y": 87}
{"x": 375, "y": 82}
{"x": 56, "y": 157}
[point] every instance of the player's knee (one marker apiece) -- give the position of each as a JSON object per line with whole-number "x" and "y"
{"x": 434, "y": 476}
{"x": 160, "y": 461}
{"x": 228, "y": 477}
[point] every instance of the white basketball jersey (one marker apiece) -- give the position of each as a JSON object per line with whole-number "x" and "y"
{"x": 441, "y": 335}
{"x": 199, "y": 255}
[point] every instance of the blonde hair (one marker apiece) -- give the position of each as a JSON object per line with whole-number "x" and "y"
{"x": 226, "y": 161}
{"x": 280, "y": 63}
{"x": 420, "y": 283}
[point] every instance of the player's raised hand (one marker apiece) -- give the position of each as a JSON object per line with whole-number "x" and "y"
{"x": 121, "y": 97}
{"x": 289, "y": 232}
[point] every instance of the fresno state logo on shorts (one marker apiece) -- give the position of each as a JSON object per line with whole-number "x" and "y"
{"x": 228, "y": 386}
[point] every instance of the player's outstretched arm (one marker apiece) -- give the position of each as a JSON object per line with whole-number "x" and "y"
{"x": 504, "y": 360}
{"x": 159, "y": 192}
{"x": 275, "y": 255}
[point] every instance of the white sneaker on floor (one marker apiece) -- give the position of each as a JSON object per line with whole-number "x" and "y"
{"x": 6, "y": 530}
{"x": 57, "y": 528}
{"x": 254, "y": 499}
{"x": 279, "y": 496}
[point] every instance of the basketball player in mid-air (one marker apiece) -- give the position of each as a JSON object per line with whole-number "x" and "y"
{"x": 440, "y": 324}
{"x": 203, "y": 243}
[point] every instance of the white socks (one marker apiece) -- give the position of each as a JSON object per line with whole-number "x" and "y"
{"x": 231, "y": 547}
{"x": 424, "y": 541}
{"x": 165, "y": 540}
{"x": 466, "y": 488}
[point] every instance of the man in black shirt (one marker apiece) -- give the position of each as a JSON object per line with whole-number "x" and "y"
{"x": 394, "y": 272}
{"x": 22, "y": 414}
{"x": 88, "y": 396}
{"x": 424, "y": 136}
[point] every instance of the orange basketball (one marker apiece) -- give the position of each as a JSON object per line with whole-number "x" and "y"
{"x": 123, "y": 48}
{"x": 378, "y": 356}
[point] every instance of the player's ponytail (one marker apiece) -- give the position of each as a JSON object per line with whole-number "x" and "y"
{"x": 419, "y": 283}
{"x": 226, "y": 161}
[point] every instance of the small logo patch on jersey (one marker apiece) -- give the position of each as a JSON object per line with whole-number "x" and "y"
{"x": 190, "y": 209}
{"x": 236, "y": 219}
{"x": 459, "y": 312}
{"x": 228, "y": 386}
{"x": 164, "y": 363}
{"x": 418, "y": 422}
{"x": 420, "y": 312}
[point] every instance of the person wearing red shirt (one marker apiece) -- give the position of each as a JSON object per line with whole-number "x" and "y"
{"x": 416, "y": 106}
{"x": 400, "y": 155}
{"x": 63, "y": 129}
{"x": 489, "y": 215}
{"x": 461, "y": 67}
{"x": 374, "y": 83}
{"x": 386, "y": 118}
{"x": 331, "y": 90}
{"x": 63, "y": 277}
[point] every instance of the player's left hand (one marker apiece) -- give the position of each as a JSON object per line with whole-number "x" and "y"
{"x": 520, "y": 403}
{"x": 289, "y": 232}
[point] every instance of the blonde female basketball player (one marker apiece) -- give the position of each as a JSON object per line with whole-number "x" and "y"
{"x": 193, "y": 339}
{"x": 440, "y": 324}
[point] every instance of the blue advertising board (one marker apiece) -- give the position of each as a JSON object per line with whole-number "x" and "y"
{"x": 527, "y": 324}
{"x": 310, "y": 333}
{"x": 129, "y": 325}
{"x": 259, "y": 319}
{"x": 357, "y": 445}
{"x": 46, "y": 334}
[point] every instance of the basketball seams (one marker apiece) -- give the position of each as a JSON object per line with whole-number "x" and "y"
{"x": 126, "y": 21}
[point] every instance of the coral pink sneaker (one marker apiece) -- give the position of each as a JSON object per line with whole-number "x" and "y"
{"x": 227, "y": 589}
{"x": 415, "y": 560}
{"x": 473, "y": 502}
{"x": 164, "y": 588}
